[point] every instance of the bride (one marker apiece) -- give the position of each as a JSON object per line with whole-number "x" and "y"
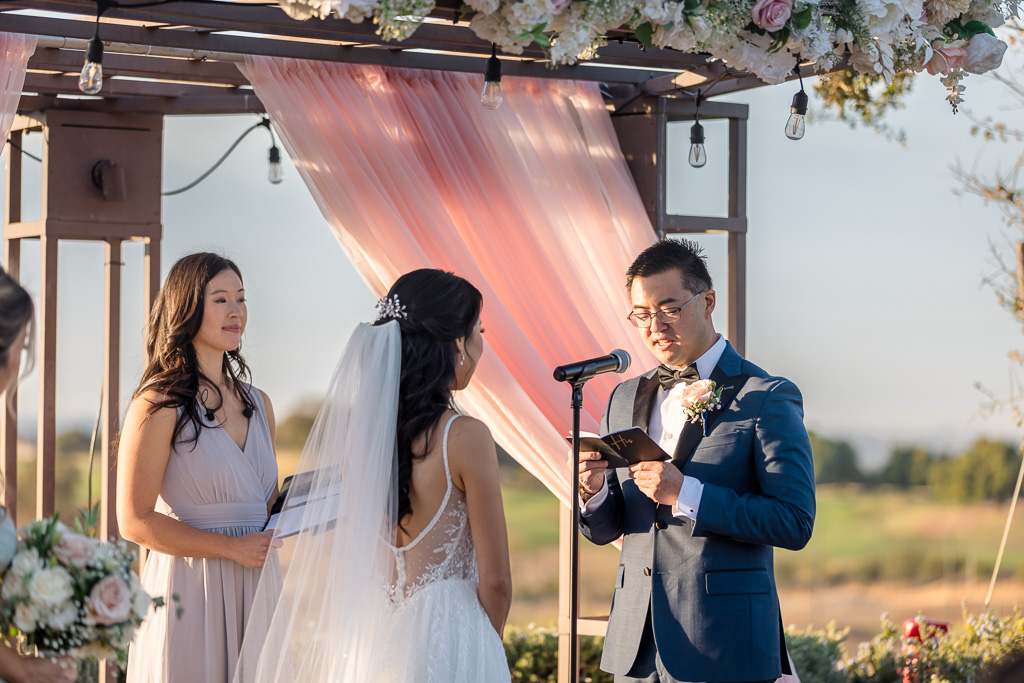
{"x": 401, "y": 569}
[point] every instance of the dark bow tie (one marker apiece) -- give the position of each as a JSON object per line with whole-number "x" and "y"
{"x": 670, "y": 377}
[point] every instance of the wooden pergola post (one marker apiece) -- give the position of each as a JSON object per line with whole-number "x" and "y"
{"x": 78, "y": 204}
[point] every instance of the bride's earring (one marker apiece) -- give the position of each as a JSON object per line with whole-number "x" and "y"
{"x": 462, "y": 361}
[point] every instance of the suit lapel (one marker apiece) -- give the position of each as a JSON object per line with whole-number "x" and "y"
{"x": 693, "y": 432}
{"x": 732, "y": 386}
{"x": 646, "y": 390}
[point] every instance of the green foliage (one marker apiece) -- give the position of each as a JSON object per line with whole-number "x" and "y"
{"x": 860, "y": 98}
{"x": 87, "y": 521}
{"x": 987, "y": 470}
{"x": 817, "y": 654}
{"x": 834, "y": 461}
{"x": 907, "y": 467}
{"x": 533, "y": 656}
{"x": 966, "y": 655}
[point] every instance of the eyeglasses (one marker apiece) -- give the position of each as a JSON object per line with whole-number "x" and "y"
{"x": 667, "y": 316}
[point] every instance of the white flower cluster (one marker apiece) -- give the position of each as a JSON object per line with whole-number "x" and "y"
{"x": 764, "y": 37}
{"x": 71, "y": 594}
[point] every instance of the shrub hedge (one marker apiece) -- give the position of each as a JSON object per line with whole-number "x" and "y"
{"x": 966, "y": 655}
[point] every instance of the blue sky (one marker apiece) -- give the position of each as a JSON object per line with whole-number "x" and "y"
{"x": 864, "y": 268}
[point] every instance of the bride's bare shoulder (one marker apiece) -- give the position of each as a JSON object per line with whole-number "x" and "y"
{"x": 469, "y": 441}
{"x": 469, "y": 431}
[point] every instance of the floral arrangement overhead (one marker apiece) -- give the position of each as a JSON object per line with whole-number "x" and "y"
{"x": 765, "y": 37}
{"x": 69, "y": 594}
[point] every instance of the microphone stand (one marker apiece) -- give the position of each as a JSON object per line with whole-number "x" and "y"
{"x": 574, "y": 546}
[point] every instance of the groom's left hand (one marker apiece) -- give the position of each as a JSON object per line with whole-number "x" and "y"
{"x": 659, "y": 481}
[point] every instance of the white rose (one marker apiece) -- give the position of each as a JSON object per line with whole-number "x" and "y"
{"x": 51, "y": 586}
{"x": 987, "y": 14}
{"x": 63, "y": 618}
{"x": 984, "y": 53}
{"x": 25, "y": 617}
{"x": 141, "y": 600}
{"x": 25, "y": 562}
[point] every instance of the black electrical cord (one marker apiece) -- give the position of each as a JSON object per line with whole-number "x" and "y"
{"x": 263, "y": 123}
{"x": 28, "y": 154}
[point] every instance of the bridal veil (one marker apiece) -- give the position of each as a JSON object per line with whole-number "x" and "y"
{"x": 330, "y": 620}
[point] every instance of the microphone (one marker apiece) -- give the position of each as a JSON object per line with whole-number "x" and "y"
{"x": 616, "y": 361}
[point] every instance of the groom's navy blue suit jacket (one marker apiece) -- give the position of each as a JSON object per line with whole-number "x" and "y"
{"x": 710, "y": 584}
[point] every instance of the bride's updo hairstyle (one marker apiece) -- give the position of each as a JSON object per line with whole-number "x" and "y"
{"x": 438, "y": 307}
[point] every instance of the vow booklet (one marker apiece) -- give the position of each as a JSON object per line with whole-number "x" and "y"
{"x": 622, "y": 448}
{"x": 298, "y": 508}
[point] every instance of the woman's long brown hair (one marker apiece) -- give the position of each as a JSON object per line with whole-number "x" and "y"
{"x": 173, "y": 367}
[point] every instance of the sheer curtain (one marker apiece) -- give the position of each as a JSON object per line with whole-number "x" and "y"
{"x": 531, "y": 202}
{"x": 15, "y": 49}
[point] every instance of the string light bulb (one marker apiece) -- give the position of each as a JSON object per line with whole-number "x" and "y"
{"x": 91, "y": 80}
{"x": 275, "y": 173}
{"x": 698, "y": 156}
{"x": 491, "y": 96}
{"x": 797, "y": 112}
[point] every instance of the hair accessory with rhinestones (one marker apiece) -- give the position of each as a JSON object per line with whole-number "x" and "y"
{"x": 390, "y": 308}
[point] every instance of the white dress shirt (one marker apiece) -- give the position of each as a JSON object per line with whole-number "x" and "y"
{"x": 667, "y": 420}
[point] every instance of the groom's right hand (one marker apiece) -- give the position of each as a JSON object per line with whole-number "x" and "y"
{"x": 591, "y": 472}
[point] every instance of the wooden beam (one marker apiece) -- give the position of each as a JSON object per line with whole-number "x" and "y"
{"x": 9, "y": 405}
{"x": 161, "y": 68}
{"x": 113, "y": 87}
{"x": 46, "y": 436}
{"x": 111, "y": 388}
{"x": 432, "y": 36}
{"x": 212, "y": 104}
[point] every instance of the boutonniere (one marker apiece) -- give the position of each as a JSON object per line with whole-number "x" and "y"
{"x": 699, "y": 399}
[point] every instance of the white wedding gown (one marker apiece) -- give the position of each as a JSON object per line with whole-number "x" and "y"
{"x": 441, "y": 632}
{"x": 353, "y": 608}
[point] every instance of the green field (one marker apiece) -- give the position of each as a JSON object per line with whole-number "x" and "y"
{"x": 873, "y": 551}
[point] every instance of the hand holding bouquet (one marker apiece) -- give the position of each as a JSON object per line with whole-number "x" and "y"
{"x": 70, "y": 594}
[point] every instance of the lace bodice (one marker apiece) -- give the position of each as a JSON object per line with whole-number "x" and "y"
{"x": 444, "y": 550}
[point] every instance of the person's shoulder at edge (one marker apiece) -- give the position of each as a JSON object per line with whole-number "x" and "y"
{"x": 146, "y": 406}
{"x": 467, "y": 435}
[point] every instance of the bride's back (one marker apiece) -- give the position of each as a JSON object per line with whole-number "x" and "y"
{"x": 435, "y": 542}
{"x": 427, "y": 487}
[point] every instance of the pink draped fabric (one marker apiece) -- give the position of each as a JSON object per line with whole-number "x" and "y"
{"x": 532, "y": 202}
{"x": 15, "y": 49}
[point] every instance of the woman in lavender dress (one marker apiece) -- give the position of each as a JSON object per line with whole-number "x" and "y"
{"x": 196, "y": 476}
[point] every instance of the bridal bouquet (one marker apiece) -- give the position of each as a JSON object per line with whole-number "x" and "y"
{"x": 70, "y": 594}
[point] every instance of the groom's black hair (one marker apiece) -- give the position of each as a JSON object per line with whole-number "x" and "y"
{"x": 664, "y": 255}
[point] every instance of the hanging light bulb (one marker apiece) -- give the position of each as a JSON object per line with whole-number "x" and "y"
{"x": 795, "y": 125}
{"x": 91, "y": 80}
{"x": 698, "y": 156}
{"x": 276, "y": 172}
{"x": 798, "y": 111}
{"x": 491, "y": 96}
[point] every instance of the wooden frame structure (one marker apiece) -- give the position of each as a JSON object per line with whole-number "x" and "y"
{"x": 182, "y": 58}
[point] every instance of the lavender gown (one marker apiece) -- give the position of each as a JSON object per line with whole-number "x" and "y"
{"x": 221, "y": 488}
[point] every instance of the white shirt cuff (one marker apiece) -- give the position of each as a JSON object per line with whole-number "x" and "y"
{"x": 595, "y": 500}
{"x": 689, "y": 498}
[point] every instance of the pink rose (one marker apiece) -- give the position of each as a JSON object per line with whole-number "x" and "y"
{"x": 75, "y": 550}
{"x": 771, "y": 15}
{"x": 945, "y": 57}
{"x": 559, "y": 5}
{"x": 701, "y": 390}
{"x": 110, "y": 601}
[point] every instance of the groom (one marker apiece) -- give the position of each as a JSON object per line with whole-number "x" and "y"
{"x": 695, "y": 597}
